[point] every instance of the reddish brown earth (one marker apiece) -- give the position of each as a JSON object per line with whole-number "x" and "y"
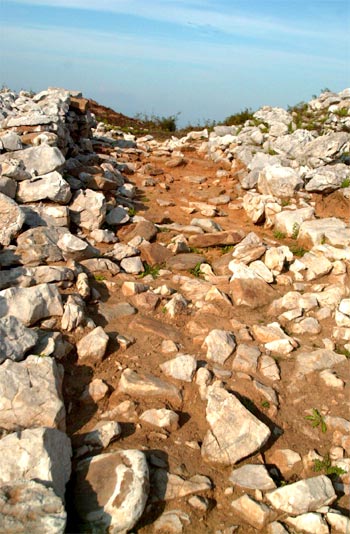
{"x": 290, "y": 428}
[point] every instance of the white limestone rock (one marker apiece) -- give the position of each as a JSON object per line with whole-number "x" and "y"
{"x": 31, "y": 394}
{"x": 254, "y": 513}
{"x": 234, "y": 433}
{"x": 182, "y": 367}
{"x": 278, "y": 181}
{"x": 93, "y": 346}
{"x": 303, "y": 496}
{"x": 161, "y": 418}
{"x": 15, "y": 339}
{"x": 88, "y": 209}
{"x": 220, "y": 345}
{"x": 42, "y": 454}
{"x": 111, "y": 490}
{"x": 252, "y": 476}
{"x": 12, "y": 219}
{"x": 30, "y": 506}
{"x": 51, "y": 186}
{"x": 31, "y": 304}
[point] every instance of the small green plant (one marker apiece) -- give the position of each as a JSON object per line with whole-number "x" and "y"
{"x": 164, "y": 310}
{"x": 295, "y": 231}
{"x": 195, "y": 250}
{"x": 323, "y": 239}
{"x": 326, "y": 466}
{"x": 298, "y": 251}
{"x": 342, "y": 112}
{"x": 132, "y": 211}
{"x": 265, "y": 404}
{"x": 285, "y": 202}
{"x": 317, "y": 420}
{"x": 343, "y": 351}
{"x": 196, "y": 271}
{"x": 272, "y": 152}
{"x": 226, "y": 249}
{"x": 99, "y": 277}
{"x": 345, "y": 183}
{"x": 144, "y": 199}
{"x": 279, "y": 235}
{"x": 153, "y": 271}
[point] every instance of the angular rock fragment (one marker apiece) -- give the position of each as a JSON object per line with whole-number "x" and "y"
{"x": 220, "y": 345}
{"x": 162, "y": 418}
{"x": 140, "y": 385}
{"x": 12, "y": 219}
{"x": 167, "y": 486}
{"x": 255, "y": 513}
{"x": 182, "y": 367}
{"x": 88, "y": 209}
{"x": 304, "y": 496}
{"x": 252, "y": 477}
{"x": 234, "y": 433}
{"x": 51, "y": 186}
{"x": 31, "y": 304}
{"x": 15, "y": 339}
{"x": 93, "y": 346}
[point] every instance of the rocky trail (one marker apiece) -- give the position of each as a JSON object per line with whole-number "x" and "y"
{"x": 174, "y": 322}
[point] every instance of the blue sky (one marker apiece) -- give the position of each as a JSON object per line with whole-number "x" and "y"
{"x": 204, "y": 58}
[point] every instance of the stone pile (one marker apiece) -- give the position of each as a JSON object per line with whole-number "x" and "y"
{"x": 174, "y": 322}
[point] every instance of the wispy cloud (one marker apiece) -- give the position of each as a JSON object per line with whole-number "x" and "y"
{"x": 108, "y": 46}
{"x": 200, "y": 13}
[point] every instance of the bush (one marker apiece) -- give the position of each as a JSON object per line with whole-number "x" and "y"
{"x": 239, "y": 118}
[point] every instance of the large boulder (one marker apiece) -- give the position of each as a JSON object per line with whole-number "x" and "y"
{"x": 278, "y": 181}
{"x": 42, "y": 454}
{"x": 51, "y": 186}
{"x": 31, "y": 394}
{"x": 31, "y": 304}
{"x": 111, "y": 490}
{"x": 37, "y": 160}
{"x": 39, "y": 245}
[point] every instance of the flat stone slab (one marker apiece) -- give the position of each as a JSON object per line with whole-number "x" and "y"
{"x": 147, "y": 385}
{"x": 317, "y": 360}
{"x": 153, "y": 326}
{"x": 167, "y": 486}
{"x": 185, "y": 262}
{"x": 252, "y": 477}
{"x": 216, "y": 239}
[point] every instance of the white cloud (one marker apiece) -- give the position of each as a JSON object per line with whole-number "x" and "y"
{"x": 100, "y": 46}
{"x": 199, "y": 13}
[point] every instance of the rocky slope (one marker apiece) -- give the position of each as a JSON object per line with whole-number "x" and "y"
{"x": 174, "y": 322}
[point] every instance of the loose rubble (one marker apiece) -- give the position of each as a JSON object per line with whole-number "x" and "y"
{"x": 174, "y": 322}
